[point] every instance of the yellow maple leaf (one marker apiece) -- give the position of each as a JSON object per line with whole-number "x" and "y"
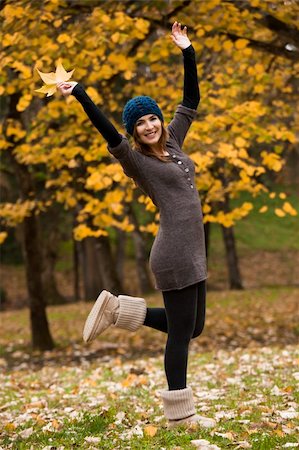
{"x": 52, "y": 78}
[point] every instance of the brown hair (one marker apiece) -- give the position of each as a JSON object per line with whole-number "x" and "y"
{"x": 147, "y": 150}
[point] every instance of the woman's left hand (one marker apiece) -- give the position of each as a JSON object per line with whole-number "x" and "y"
{"x": 179, "y": 36}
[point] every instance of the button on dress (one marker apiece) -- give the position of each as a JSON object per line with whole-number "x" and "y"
{"x": 178, "y": 256}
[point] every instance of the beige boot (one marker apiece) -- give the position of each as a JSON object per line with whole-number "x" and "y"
{"x": 123, "y": 312}
{"x": 179, "y": 409}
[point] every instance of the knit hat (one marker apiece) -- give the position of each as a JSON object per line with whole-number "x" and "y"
{"x": 138, "y": 107}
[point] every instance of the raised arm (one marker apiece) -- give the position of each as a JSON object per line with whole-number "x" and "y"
{"x": 99, "y": 120}
{"x": 118, "y": 145}
{"x": 191, "y": 89}
{"x": 186, "y": 111}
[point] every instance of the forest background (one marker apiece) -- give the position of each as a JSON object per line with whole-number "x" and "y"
{"x": 72, "y": 222}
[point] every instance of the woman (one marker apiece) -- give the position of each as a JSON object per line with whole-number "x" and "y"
{"x": 166, "y": 174}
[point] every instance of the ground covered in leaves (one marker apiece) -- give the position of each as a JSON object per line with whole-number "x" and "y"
{"x": 243, "y": 370}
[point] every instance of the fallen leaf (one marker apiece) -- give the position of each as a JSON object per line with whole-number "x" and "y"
{"x": 203, "y": 444}
{"x": 55, "y": 424}
{"x": 150, "y": 430}
{"x": 288, "y": 414}
{"x": 129, "y": 381}
{"x": 279, "y": 433}
{"x": 92, "y": 439}
{"x": 243, "y": 444}
{"x": 206, "y": 422}
{"x": 227, "y": 435}
{"x": 10, "y": 427}
{"x": 26, "y": 433}
{"x": 198, "y": 442}
{"x": 36, "y": 405}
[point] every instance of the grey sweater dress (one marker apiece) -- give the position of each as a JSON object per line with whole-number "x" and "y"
{"x": 178, "y": 256}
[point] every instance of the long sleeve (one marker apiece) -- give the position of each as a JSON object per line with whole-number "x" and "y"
{"x": 99, "y": 120}
{"x": 191, "y": 89}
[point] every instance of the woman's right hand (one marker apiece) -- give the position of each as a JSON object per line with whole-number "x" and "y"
{"x": 66, "y": 87}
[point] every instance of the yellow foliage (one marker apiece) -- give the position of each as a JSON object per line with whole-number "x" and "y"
{"x": 82, "y": 231}
{"x": 200, "y": 32}
{"x": 14, "y": 128}
{"x": 24, "y": 102}
{"x": 271, "y": 160}
{"x": 141, "y": 27}
{"x": 263, "y": 209}
{"x": 259, "y": 88}
{"x": 150, "y": 228}
{"x": 98, "y": 181}
{"x": 11, "y": 11}
{"x": 219, "y": 142}
{"x": 120, "y": 61}
{"x": 287, "y": 207}
{"x": 22, "y": 68}
{"x": 114, "y": 199}
{"x": 94, "y": 95}
{"x": 279, "y": 212}
{"x": 14, "y": 213}
{"x": 240, "y": 142}
{"x": 149, "y": 205}
{"x": 226, "y": 150}
{"x": 240, "y": 44}
{"x": 206, "y": 208}
{"x": 229, "y": 219}
{"x": 227, "y": 45}
{"x": 105, "y": 72}
{"x": 57, "y": 23}
{"x": 3, "y": 236}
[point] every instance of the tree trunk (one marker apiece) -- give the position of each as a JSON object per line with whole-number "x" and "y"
{"x": 120, "y": 253}
{"x": 235, "y": 281}
{"x": 106, "y": 263}
{"x": 41, "y": 337}
{"x": 92, "y": 280}
{"x": 141, "y": 255}
{"x": 52, "y": 295}
{"x": 32, "y": 244}
{"x": 207, "y": 228}
{"x": 76, "y": 270}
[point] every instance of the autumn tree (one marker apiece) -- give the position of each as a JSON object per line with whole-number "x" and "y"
{"x": 248, "y": 68}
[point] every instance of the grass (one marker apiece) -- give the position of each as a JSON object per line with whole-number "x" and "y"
{"x": 263, "y": 231}
{"x": 245, "y": 410}
{"x": 105, "y": 395}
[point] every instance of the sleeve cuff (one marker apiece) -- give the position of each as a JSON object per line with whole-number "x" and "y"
{"x": 191, "y": 113}
{"x": 188, "y": 51}
{"x": 78, "y": 89}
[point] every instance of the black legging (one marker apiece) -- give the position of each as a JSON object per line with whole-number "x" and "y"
{"x": 183, "y": 319}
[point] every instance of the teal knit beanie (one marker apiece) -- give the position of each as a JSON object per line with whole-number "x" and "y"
{"x": 138, "y": 107}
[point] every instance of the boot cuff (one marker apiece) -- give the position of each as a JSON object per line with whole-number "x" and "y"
{"x": 132, "y": 312}
{"x": 178, "y": 404}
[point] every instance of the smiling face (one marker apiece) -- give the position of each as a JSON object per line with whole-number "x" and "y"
{"x": 149, "y": 129}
